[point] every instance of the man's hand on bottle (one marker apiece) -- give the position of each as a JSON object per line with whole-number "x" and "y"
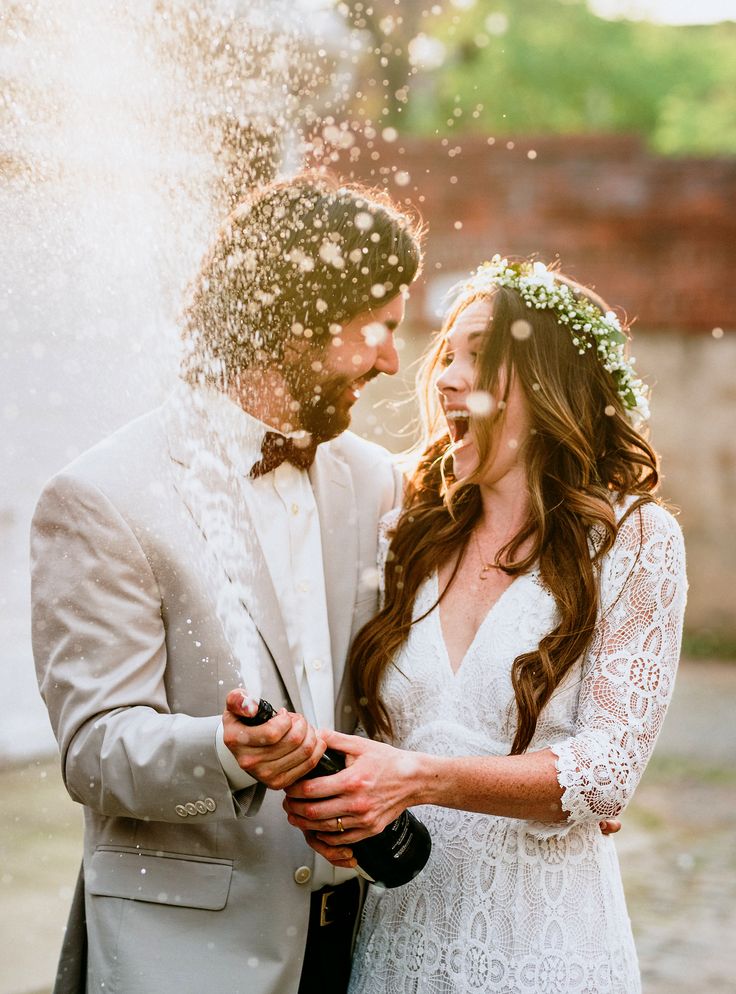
{"x": 277, "y": 753}
{"x": 338, "y": 855}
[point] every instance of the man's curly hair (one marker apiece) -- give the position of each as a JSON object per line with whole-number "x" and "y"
{"x": 300, "y": 258}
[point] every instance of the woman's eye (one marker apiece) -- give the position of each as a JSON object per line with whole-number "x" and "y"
{"x": 473, "y": 357}
{"x": 446, "y": 359}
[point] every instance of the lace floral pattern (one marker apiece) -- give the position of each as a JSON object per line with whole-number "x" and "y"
{"x": 507, "y": 906}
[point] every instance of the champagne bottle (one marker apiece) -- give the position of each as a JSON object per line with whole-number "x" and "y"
{"x": 394, "y": 856}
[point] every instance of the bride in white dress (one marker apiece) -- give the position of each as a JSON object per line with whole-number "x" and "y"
{"x": 522, "y": 664}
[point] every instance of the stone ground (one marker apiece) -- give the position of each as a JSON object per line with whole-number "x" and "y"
{"x": 677, "y": 852}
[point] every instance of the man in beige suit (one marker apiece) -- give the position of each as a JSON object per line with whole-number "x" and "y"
{"x": 225, "y": 539}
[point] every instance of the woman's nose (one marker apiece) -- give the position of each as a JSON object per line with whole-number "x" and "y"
{"x": 451, "y": 379}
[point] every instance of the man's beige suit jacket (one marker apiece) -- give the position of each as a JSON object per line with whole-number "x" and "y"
{"x": 187, "y": 888}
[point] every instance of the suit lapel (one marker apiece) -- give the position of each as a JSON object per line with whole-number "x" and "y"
{"x": 338, "y": 518}
{"x": 211, "y": 490}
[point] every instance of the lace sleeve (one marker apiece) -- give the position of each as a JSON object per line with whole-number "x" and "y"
{"x": 385, "y": 528}
{"x": 629, "y": 671}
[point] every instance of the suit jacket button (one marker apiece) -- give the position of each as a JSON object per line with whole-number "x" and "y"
{"x": 302, "y": 874}
{"x": 181, "y": 810}
{"x": 209, "y": 804}
{"x": 190, "y": 808}
{"x": 201, "y": 807}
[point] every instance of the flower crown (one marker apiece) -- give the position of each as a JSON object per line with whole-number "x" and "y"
{"x": 589, "y": 327}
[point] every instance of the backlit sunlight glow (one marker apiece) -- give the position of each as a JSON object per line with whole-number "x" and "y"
{"x": 667, "y": 11}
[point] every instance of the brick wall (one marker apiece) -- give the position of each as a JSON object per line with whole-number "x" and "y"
{"x": 654, "y": 235}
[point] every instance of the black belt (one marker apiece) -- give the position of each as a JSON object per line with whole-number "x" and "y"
{"x": 332, "y": 915}
{"x": 331, "y": 905}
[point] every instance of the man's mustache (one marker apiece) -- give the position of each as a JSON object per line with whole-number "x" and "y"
{"x": 334, "y": 387}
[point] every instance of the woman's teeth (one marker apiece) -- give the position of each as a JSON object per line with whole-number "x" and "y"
{"x": 458, "y": 422}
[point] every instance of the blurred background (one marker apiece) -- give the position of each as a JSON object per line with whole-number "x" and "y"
{"x": 602, "y": 133}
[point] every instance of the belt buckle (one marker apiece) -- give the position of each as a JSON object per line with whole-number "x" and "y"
{"x": 323, "y": 919}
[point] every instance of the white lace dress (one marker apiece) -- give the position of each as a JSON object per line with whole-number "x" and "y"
{"x": 507, "y": 906}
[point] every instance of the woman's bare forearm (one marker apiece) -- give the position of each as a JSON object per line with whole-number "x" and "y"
{"x": 509, "y": 786}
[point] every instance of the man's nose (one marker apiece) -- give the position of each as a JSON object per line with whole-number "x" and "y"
{"x": 387, "y": 360}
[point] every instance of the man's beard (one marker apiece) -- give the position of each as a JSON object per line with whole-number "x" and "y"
{"x": 324, "y": 409}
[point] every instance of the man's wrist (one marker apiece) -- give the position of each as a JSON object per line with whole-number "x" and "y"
{"x": 236, "y": 777}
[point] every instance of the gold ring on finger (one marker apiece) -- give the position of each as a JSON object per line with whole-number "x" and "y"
{"x": 340, "y": 826}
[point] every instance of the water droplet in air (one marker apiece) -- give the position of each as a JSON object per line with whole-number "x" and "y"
{"x": 480, "y": 403}
{"x": 369, "y": 578}
{"x": 521, "y": 330}
{"x": 374, "y": 333}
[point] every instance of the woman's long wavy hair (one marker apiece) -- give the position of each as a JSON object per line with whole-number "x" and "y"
{"x": 581, "y": 456}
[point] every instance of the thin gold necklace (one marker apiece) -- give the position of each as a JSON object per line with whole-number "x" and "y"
{"x": 485, "y": 567}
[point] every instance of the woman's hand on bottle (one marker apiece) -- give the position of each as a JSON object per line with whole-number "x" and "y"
{"x": 377, "y": 784}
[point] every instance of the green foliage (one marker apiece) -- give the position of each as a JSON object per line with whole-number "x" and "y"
{"x": 552, "y": 66}
{"x": 707, "y": 643}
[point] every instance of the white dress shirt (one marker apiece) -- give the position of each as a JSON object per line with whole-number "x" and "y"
{"x": 283, "y": 508}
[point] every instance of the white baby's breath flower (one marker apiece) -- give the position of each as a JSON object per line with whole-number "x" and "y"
{"x": 541, "y": 276}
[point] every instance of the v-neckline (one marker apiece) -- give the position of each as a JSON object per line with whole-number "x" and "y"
{"x": 491, "y": 610}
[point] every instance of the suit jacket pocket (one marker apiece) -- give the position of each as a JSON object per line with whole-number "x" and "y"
{"x": 159, "y": 877}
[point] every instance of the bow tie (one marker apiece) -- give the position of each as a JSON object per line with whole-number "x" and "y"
{"x": 276, "y": 449}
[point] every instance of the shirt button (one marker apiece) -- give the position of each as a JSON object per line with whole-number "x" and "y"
{"x": 302, "y": 875}
{"x": 304, "y": 586}
{"x": 295, "y": 509}
{"x": 317, "y": 664}
{"x": 181, "y": 810}
{"x": 209, "y": 804}
{"x": 191, "y": 808}
{"x": 201, "y": 807}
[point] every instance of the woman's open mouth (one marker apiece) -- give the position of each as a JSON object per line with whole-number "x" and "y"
{"x": 458, "y": 422}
